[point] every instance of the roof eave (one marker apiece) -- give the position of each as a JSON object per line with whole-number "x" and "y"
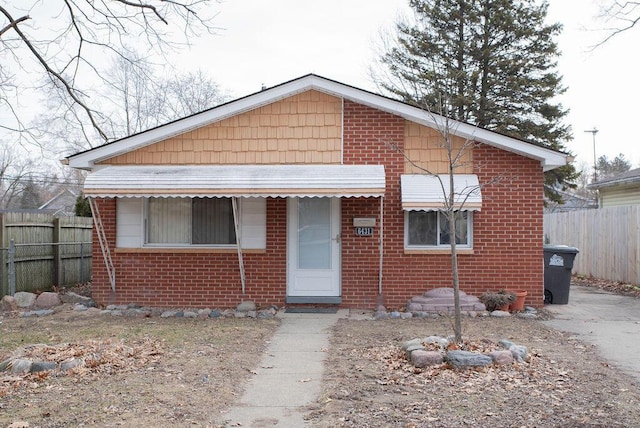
{"x": 548, "y": 158}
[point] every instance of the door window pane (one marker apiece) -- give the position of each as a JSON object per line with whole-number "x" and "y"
{"x": 314, "y": 233}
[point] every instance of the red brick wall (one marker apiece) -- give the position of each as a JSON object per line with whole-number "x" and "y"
{"x": 194, "y": 279}
{"x": 507, "y": 239}
{"x": 507, "y": 232}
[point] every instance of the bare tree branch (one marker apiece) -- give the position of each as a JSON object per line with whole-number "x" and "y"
{"x": 624, "y": 14}
{"x": 85, "y": 32}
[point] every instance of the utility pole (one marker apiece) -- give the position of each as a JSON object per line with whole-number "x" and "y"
{"x": 593, "y": 132}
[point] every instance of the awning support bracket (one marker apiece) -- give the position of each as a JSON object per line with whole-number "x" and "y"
{"x": 234, "y": 204}
{"x": 104, "y": 244}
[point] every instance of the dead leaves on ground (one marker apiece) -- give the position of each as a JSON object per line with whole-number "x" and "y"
{"x": 537, "y": 376}
{"x": 97, "y": 358}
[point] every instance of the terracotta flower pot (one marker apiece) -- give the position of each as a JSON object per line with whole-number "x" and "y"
{"x": 518, "y": 304}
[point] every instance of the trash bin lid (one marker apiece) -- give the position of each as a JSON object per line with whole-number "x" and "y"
{"x": 561, "y": 249}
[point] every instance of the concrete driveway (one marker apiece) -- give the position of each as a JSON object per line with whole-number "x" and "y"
{"x": 609, "y": 321}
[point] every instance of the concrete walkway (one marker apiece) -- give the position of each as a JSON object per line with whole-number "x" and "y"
{"x": 289, "y": 376}
{"x": 609, "y": 321}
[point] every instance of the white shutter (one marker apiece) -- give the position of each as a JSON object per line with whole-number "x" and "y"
{"x": 253, "y": 223}
{"x": 129, "y": 222}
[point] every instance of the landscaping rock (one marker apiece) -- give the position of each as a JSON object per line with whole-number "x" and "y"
{"x": 410, "y": 343}
{"x": 42, "y": 366}
{"x": 190, "y": 314}
{"x": 416, "y": 347}
{"x": 215, "y": 313}
{"x": 422, "y": 359}
{"x": 168, "y": 314}
{"x": 19, "y": 366}
{"x": 462, "y": 359}
{"x": 73, "y": 298}
{"x": 8, "y": 304}
{"x": 501, "y": 357}
{"x": 48, "y": 300}
{"x": 71, "y": 363}
{"x": 519, "y": 352}
{"x": 246, "y": 306}
{"x": 37, "y": 313}
{"x": 441, "y": 341}
{"x": 204, "y": 313}
{"x": 500, "y": 314}
{"x": 380, "y": 315}
{"x": 25, "y": 299}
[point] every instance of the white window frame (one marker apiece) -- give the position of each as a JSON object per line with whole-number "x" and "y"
{"x": 440, "y": 214}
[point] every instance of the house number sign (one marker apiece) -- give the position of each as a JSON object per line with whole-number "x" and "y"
{"x": 364, "y": 226}
{"x": 364, "y": 231}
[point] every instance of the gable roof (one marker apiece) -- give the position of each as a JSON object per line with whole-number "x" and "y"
{"x": 548, "y": 158}
{"x": 629, "y": 177}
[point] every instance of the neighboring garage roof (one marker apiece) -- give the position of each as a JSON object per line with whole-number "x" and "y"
{"x": 625, "y": 178}
{"x": 548, "y": 158}
{"x": 422, "y": 192}
{"x": 236, "y": 181}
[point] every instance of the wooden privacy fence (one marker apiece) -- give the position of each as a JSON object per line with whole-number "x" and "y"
{"x": 40, "y": 251}
{"x": 608, "y": 240}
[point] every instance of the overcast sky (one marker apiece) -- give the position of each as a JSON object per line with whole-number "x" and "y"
{"x": 270, "y": 42}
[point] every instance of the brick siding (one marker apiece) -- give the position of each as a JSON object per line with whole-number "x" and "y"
{"x": 507, "y": 233}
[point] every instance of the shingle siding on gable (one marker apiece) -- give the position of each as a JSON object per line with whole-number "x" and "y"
{"x": 304, "y": 128}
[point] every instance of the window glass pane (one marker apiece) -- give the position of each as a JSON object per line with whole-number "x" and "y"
{"x": 212, "y": 221}
{"x": 423, "y": 228}
{"x": 461, "y": 228}
{"x": 169, "y": 221}
{"x": 314, "y": 233}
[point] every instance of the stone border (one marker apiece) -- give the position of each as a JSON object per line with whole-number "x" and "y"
{"x": 416, "y": 352}
{"x": 381, "y": 313}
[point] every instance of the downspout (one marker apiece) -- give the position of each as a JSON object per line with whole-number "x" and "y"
{"x": 234, "y": 204}
{"x": 381, "y": 249}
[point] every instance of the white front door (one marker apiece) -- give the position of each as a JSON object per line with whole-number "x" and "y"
{"x": 313, "y": 247}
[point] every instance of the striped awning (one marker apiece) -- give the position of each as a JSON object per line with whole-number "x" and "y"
{"x": 236, "y": 181}
{"x": 421, "y": 192}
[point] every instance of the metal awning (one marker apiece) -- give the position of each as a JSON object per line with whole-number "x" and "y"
{"x": 421, "y": 192}
{"x": 236, "y": 181}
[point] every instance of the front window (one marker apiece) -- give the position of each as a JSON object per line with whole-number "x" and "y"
{"x": 190, "y": 221}
{"x": 428, "y": 229}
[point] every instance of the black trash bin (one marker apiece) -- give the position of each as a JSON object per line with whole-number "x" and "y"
{"x": 558, "y": 263}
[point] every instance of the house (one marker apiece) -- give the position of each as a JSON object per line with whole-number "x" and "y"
{"x": 62, "y": 203}
{"x": 311, "y": 192}
{"x": 621, "y": 189}
{"x": 571, "y": 201}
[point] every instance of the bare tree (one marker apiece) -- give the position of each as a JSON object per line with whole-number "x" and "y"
{"x": 66, "y": 51}
{"x": 454, "y": 199}
{"x": 621, "y": 16}
{"x": 136, "y": 98}
{"x": 14, "y": 172}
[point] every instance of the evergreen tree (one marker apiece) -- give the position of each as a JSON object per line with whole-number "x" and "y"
{"x": 491, "y": 63}
{"x": 608, "y": 168}
{"x": 82, "y": 207}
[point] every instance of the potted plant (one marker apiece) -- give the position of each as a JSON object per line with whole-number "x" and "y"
{"x": 497, "y": 300}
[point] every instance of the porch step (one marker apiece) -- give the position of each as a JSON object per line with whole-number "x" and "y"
{"x": 440, "y": 300}
{"x": 314, "y": 300}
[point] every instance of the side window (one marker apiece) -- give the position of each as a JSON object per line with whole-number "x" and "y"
{"x": 430, "y": 229}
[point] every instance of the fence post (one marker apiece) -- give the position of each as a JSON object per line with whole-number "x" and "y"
{"x": 80, "y": 267}
{"x": 57, "y": 252}
{"x": 12, "y": 268}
